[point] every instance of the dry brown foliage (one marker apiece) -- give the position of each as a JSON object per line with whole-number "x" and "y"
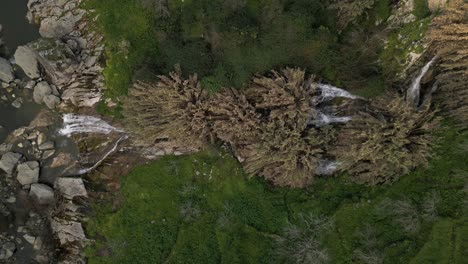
{"x": 386, "y": 142}
{"x": 170, "y": 108}
{"x": 449, "y": 34}
{"x": 269, "y": 127}
{"x": 232, "y": 118}
{"x": 287, "y": 150}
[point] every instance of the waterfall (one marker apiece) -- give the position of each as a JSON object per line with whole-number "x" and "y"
{"x": 413, "y": 94}
{"x": 322, "y": 119}
{"x": 327, "y": 167}
{"x": 85, "y": 124}
{"x": 330, "y": 92}
{"x": 112, "y": 150}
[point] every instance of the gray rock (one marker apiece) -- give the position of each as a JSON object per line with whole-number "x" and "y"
{"x": 41, "y": 138}
{"x": 28, "y": 172}
{"x": 71, "y": 187}
{"x": 51, "y": 101}
{"x": 27, "y": 60}
{"x": 42, "y": 193}
{"x": 57, "y": 27}
{"x": 41, "y": 90}
{"x": 30, "y": 239}
{"x": 4, "y": 148}
{"x": 7, "y": 250}
{"x": 9, "y": 161}
{"x": 48, "y": 153}
{"x": 55, "y": 91}
{"x": 47, "y": 145}
{"x": 6, "y": 71}
{"x": 17, "y": 103}
{"x": 30, "y": 85}
{"x": 67, "y": 231}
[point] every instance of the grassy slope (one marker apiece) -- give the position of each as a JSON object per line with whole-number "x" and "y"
{"x": 233, "y": 219}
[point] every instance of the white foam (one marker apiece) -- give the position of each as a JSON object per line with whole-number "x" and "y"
{"x": 73, "y": 124}
{"x": 323, "y": 119}
{"x": 329, "y": 92}
{"x": 327, "y": 167}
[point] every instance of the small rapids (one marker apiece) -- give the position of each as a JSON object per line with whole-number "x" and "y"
{"x": 323, "y": 119}
{"x": 330, "y": 92}
{"x": 413, "y": 94}
{"x": 85, "y": 124}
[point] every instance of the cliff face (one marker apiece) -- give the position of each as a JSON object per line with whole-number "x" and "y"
{"x": 449, "y": 35}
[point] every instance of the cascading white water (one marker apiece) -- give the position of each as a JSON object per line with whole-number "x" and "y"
{"x": 327, "y": 167}
{"x": 329, "y": 92}
{"x": 85, "y": 124}
{"x": 112, "y": 150}
{"x": 413, "y": 93}
{"x": 323, "y": 119}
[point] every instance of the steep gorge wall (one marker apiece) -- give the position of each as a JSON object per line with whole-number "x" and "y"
{"x": 449, "y": 35}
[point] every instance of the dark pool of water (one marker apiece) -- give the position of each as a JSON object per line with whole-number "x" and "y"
{"x": 12, "y": 118}
{"x": 16, "y": 31}
{"x": 16, "y": 28}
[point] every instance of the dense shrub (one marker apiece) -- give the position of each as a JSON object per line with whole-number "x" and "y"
{"x": 381, "y": 145}
{"x": 171, "y": 108}
{"x": 448, "y": 33}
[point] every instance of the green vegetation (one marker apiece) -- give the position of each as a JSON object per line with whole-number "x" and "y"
{"x": 401, "y": 44}
{"x": 203, "y": 208}
{"x": 226, "y": 42}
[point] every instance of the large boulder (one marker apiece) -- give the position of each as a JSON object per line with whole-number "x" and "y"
{"x": 71, "y": 187}
{"x": 28, "y": 173}
{"x": 41, "y": 90}
{"x": 6, "y": 71}
{"x": 42, "y": 193}
{"x": 25, "y": 57}
{"x": 51, "y": 101}
{"x": 9, "y": 161}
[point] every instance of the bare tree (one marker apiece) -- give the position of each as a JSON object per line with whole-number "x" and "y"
{"x": 301, "y": 243}
{"x": 402, "y": 212}
{"x": 430, "y": 204}
{"x": 189, "y": 212}
{"x": 368, "y": 252}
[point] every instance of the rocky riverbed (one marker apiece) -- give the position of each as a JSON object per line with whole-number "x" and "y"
{"x": 42, "y": 196}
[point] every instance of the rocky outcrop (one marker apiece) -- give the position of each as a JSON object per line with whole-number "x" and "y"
{"x": 77, "y": 72}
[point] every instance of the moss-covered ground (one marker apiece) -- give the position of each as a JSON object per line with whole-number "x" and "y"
{"x": 203, "y": 208}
